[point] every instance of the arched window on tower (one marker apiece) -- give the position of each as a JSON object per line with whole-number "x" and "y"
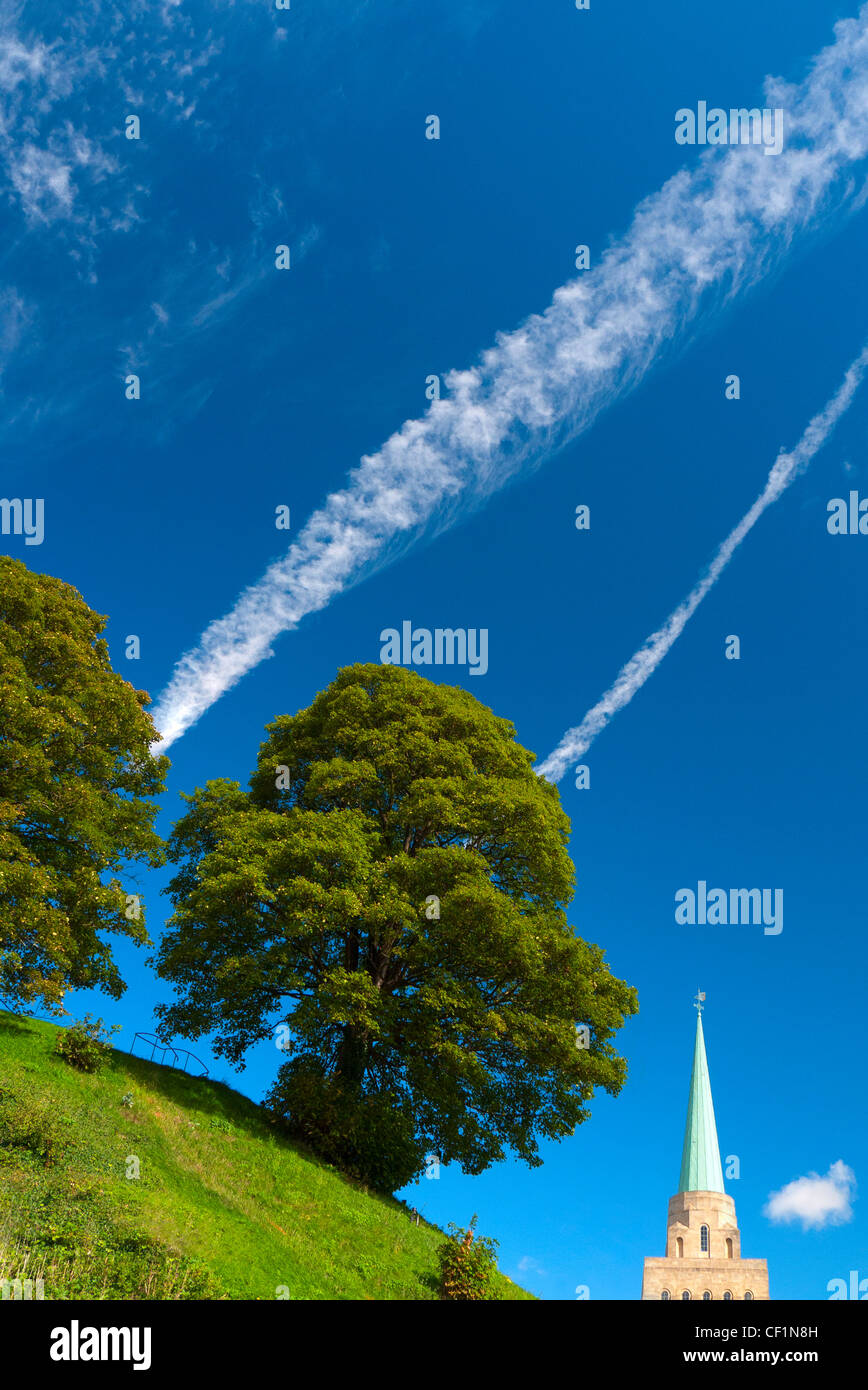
{"x": 729, "y": 1247}
{"x": 686, "y": 1294}
{"x": 703, "y": 1239}
{"x": 727, "y": 1297}
{"x": 679, "y": 1247}
{"x": 706, "y": 1295}
{"x": 665, "y": 1295}
{"x": 749, "y": 1295}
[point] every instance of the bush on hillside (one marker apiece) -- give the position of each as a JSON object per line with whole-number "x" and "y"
{"x": 467, "y": 1265}
{"x": 86, "y": 1045}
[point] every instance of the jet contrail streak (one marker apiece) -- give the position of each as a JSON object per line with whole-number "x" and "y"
{"x": 576, "y": 742}
{"x": 715, "y": 229}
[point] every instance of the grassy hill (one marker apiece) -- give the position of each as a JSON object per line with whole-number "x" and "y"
{"x": 222, "y": 1206}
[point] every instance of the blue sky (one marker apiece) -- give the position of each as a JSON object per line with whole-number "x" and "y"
{"x": 261, "y": 388}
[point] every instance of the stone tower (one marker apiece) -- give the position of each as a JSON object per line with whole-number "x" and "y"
{"x": 703, "y": 1244}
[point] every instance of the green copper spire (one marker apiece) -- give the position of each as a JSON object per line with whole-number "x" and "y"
{"x": 700, "y": 1161}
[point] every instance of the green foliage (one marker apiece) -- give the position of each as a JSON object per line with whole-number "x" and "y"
{"x": 85, "y": 1044}
{"x": 72, "y": 1264}
{"x": 75, "y": 773}
{"x": 393, "y": 889}
{"x": 369, "y": 1137}
{"x": 227, "y": 1210}
{"x": 467, "y": 1265}
{"x": 29, "y": 1126}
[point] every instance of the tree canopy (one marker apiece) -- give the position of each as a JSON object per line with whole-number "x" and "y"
{"x": 76, "y": 772}
{"x": 392, "y": 889}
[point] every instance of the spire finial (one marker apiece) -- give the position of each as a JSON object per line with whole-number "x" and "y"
{"x": 699, "y": 1001}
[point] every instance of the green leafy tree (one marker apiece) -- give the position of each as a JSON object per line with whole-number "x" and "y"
{"x": 393, "y": 890}
{"x": 76, "y": 770}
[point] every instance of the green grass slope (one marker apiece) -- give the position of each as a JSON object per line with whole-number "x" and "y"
{"x": 222, "y": 1206}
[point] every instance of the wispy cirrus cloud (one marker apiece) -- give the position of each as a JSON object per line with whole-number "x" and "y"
{"x": 786, "y": 468}
{"x": 15, "y": 317}
{"x": 71, "y": 183}
{"x": 815, "y": 1201}
{"x": 39, "y": 153}
{"x": 60, "y": 124}
{"x": 45, "y": 178}
{"x": 199, "y": 293}
{"x": 711, "y": 233}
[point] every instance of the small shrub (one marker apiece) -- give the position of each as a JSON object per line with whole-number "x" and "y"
{"x": 467, "y": 1265}
{"x": 85, "y": 1045}
{"x": 127, "y": 1100}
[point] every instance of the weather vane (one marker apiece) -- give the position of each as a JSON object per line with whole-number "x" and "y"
{"x": 699, "y": 1000}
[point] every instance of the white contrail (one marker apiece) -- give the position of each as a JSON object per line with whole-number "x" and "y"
{"x": 576, "y": 742}
{"x": 709, "y": 233}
